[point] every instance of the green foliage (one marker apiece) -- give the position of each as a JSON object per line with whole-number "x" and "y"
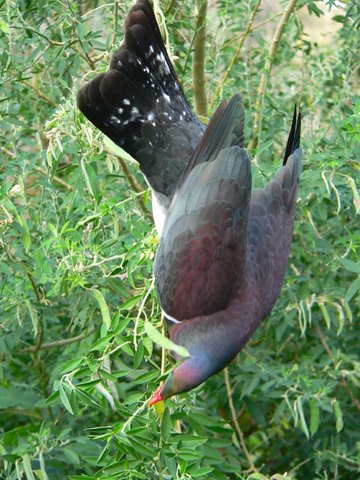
{"x": 77, "y": 358}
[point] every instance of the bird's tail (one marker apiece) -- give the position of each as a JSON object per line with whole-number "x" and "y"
{"x": 139, "y": 100}
{"x": 293, "y": 142}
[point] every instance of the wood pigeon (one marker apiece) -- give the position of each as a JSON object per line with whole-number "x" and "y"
{"x": 223, "y": 247}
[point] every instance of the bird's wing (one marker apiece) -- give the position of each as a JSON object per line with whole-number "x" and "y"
{"x": 203, "y": 244}
{"x": 140, "y": 105}
{"x": 225, "y": 130}
{"x": 270, "y": 225}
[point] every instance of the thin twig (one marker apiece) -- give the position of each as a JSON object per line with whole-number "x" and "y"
{"x": 198, "y": 64}
{"x": 325, "y": 345}
{"x": 59, "y": 343}
{"x": 55, "y": 179}
{"x": 266, "y": 73}
{"x": 84, "y": 56}
{"x": 8, "y": 152}
{"x": 237, "y": 51}
{"x": 141, "y": 309}
{"x": 134, "y": 415}
{"x": 264, "y": 22}
{"x": 235, "y": 421}
{"x": 40, "y": 335}
{"x": 163, "y": 350}
{"x": 20, "y": 411}
{"x": 105, "y": 260}
{"x": 169, "y": 7}
{"x": 40, "y": 93}
{"x": 135, "y": 186}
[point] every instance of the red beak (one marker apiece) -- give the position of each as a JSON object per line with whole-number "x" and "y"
{"x": 156, "y": 397}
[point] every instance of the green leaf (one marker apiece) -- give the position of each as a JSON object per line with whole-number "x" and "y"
{"x": 166, "y": 425}
{"x": 25, "y": 231}
{"x": 4, "y": 27}
{"x": 70, "y": 365}
{"x": 85, "y": 170}
{"x": 131, "y": 302}
{"x": 338, "y": 415}
{"x": 302, "y": 417}
{"x": 257, "y": 476}
{"x": 350, "y": 265}
{"x": 164, "y": 342}
{"x": 352, "y": 290}
{"x": 103, "y": 308}
{"x": 201, "y": 471}
{"x": 27, "y": 467}
{"x": 34, "y": 317}
{"x": 65, "y": 400}
{"x": 325, "y": 314}
{"x": 314, "y": 416}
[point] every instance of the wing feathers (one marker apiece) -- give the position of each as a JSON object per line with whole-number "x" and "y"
{"x": 203, "y": 245}
{"x": 226, "y": 128}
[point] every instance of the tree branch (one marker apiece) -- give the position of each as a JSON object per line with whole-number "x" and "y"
{"x": 235, "y": 421}
{"x": 55, "y": 179}
{"x": 42, "y": 95}
{"x": 58, "y": 343}
{"x": 135, "y": 186}
{"x": 198, "y": 75}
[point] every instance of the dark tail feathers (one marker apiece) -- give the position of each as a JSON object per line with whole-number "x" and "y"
{"x": 294, "y": 136}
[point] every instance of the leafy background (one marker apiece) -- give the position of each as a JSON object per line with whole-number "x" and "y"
{"x": 77, "y": 358}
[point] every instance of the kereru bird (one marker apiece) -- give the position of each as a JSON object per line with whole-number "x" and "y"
{"x": 223, "y": 247}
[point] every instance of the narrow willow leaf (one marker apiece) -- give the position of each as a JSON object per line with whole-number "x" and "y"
{"x": 347, "y": 310}
{"x": 70, "y": 365}
{"x": 314, "y": 416}
{"x": 200, "y": 472}
{"x": 338, "y": 416}
{"x": 171, "y": 465}
{"x": 291, "y": 409}
{"x": 341, "y": 319}
{"x": 326, "y": 183}
{"x": 302, "y": 318}
{"x": 42, "y": 467}
{"x": 257, "y": 476}
{"x": 65, "y": 400}
{"x": 87, "y": 178}
{"x": 350, "y": 265}
{"x": 356, "y": 195}
{"x": 325, "y": 314}
{"x": 131, "y": 302}
{"x": 27, "y": 467}
{"x": 166, "y": 425}
{"x": 26, "y": 238}
{"x": 336, "y": 193}
{"x": 164, "y": 342}
{"x": 103, "y": 308}
{"x": 352, "y": 290}
{"x": 302, "y": 417}
{"x": 106, "y": 394}
{"x": 4, "y": 27}
{"x": 34, "y": 317}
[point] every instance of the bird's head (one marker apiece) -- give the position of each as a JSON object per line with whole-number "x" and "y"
{"x": 189, "y": 374}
